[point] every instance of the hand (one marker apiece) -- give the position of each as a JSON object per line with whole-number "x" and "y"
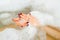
{"x": 33, "y": 20}
{"x": 29, "y": 18}
{"x": 24, "y": 19}
{"x": 21, "y": 21}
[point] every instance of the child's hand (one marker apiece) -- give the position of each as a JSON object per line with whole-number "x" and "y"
{"x": 29, "y": 18}
{"x": 21, "y": 21}
{"x": 24, "y": 19}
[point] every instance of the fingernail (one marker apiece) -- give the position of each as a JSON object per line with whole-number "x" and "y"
{"x": 19, "y": 15}
{"x": 21, "y": 26}
{"x": 27, "y": 22}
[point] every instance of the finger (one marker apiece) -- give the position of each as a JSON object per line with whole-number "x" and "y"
{"x": 30, "y": 16}
{"x": 25, "y": 24}
{"x": 15, "y": 19}
{"x": 17, "y": 23}
{"x": 33, "y": 20}
{"x": 24, "y": 17}
{"x": 19, "y": 15}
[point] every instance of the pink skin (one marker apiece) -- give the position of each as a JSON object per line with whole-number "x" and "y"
{"x": 26, "y": 19}
{"x": 19, "y": 18}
